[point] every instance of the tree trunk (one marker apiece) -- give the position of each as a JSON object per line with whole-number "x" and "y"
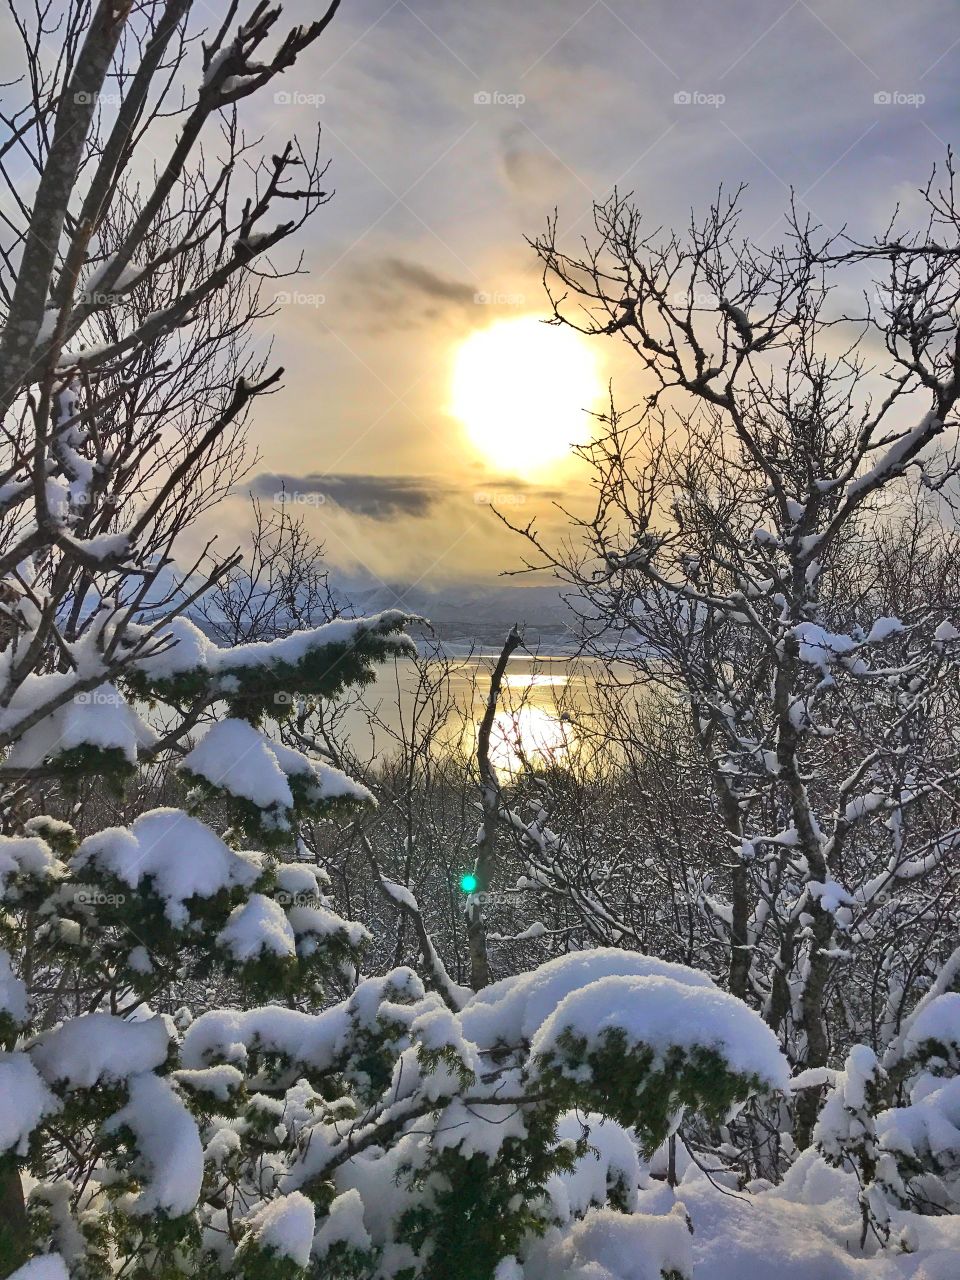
{"x": 14, "y": 1234}
{"x": 490, "y": 804}
{"x": 814, "y": 1026}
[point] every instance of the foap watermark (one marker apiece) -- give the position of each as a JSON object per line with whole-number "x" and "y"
{"x": 98, "y": 898}
{"x": 98, "y": 698}
{"x": 84, "y": 98}
{"x": 697, "y": 98}
{"x": 61, "y": 505}
{"x": 897, "y": 98}
{"x": 298, "y": 299}
{"x": 287, "y": 899}
{"x": 294, "y": 98}
{"x": 497, "y": 98}
{"x": 499, "y": 498}
{"x": 108, "y": 299}
{"x": 284, "y": 497}
{"x": 484, "y": 299}
{"x": 700, "y": 299}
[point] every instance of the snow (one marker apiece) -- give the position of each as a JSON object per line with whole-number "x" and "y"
{"x": 138, "y": 960}
{"x": 535, "y": 930}
{"x": 661, "y": 1013}
{"x": 99, "y": 1047}
{"x": 938, "y": 1021}
{"x": 255, "y": 239}
{"x": 325, "y": 781}
{"x": 808, "y": 1228}
{"x": 513, "y": 1010}
{"x": 219, "y": 1082}
{"x": 13, "y": 992}
{"x": 765, "y": 538}
{"x": 238, "y": 758}
{"x": 297, "y": 880}
{"x": 227, "y": 1034}
{"x": 99, "y": 718}
{"x": 399, "y": 984}
{"x": 24, "y": 1101}
{"x": 183, "y": 647}
{"x": 103, "y": 546}
{"x": 192, "y": 651}
{"x": 929, "y": 1126}
{"x": 607, "y": 1245}
{"x": 27, "y": 856}
{"x": 830, "y": 894}
{"x": 49, "y": 1266}
{"x": 883, "y": 629}
{"x": 343, "y": 1225}
{"x": 216, "y": 62}
{"x": 612, "y": 1159}
{"x": 844, "y": 1118}
{"x": 294, "y": 648}
{"x": 312, "y": 922}
{"x": 508, "y": 1269}
{"x": 946, "y": 979}
{"x": 170, "y": 1156}
{"x": 284, "y": 1227}
{"x": 862, "y": 806}
{"x": 126, "y": 278}
{"x": 257, "y": 925}
{"x": 400, "y": 894}
{"x": 896, "y": 456}
{"x": 43, "y": 825}
{"x": 819, "y": 647}
{"x": 223, "y": 1145}
{"x": 181, "y": 857}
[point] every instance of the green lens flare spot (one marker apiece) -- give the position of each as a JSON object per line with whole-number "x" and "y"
{"x": 468, "y": 882}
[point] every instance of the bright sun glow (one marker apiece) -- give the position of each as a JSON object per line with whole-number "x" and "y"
{"x": 520, "y": 389}
{"x": 529, "y": 735}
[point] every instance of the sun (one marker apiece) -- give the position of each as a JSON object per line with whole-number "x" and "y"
{"x": 520, "y": 389}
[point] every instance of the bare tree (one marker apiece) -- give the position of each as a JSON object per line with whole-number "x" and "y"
{"x": 129, "y": 296}
{"x": 281, "y": 586}
{"x": 732, "y": 508}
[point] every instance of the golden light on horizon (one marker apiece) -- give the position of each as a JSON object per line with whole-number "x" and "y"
{"x": 521, "y": 388}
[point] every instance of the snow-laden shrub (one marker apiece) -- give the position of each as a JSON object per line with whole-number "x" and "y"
{"x": 103, "y": 1125}
{"x": 846, "y": 1130}
{"x": 450, "y": 1130}
{"x": 922, "y": 1136}
{"x": 904, "y": 1153}
{"x": 385, "y": 1135}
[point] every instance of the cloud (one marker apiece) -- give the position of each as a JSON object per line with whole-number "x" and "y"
{"x": 388, "y": 497}
{"x": 399, "y": 293}
{"x": 531, "y": 170}
{"x": 376, "y": 497}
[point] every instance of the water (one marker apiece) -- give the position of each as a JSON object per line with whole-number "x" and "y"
{"x": 536, "y": 721}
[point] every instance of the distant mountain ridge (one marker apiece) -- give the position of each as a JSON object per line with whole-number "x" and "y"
{"x": 477, "y": 613}
{"x": 461, "y": 616}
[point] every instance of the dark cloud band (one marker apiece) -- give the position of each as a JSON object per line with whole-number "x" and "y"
{"x": 384, "y": 497}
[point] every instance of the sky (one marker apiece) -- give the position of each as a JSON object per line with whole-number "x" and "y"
{"x": 453, "y": 131}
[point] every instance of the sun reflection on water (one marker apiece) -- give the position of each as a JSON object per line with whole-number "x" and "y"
{"x": 529, "y": 730}
{"x": 529, "y": 736}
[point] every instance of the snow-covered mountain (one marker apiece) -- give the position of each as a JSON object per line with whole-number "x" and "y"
{"x": 476, "y": 613}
